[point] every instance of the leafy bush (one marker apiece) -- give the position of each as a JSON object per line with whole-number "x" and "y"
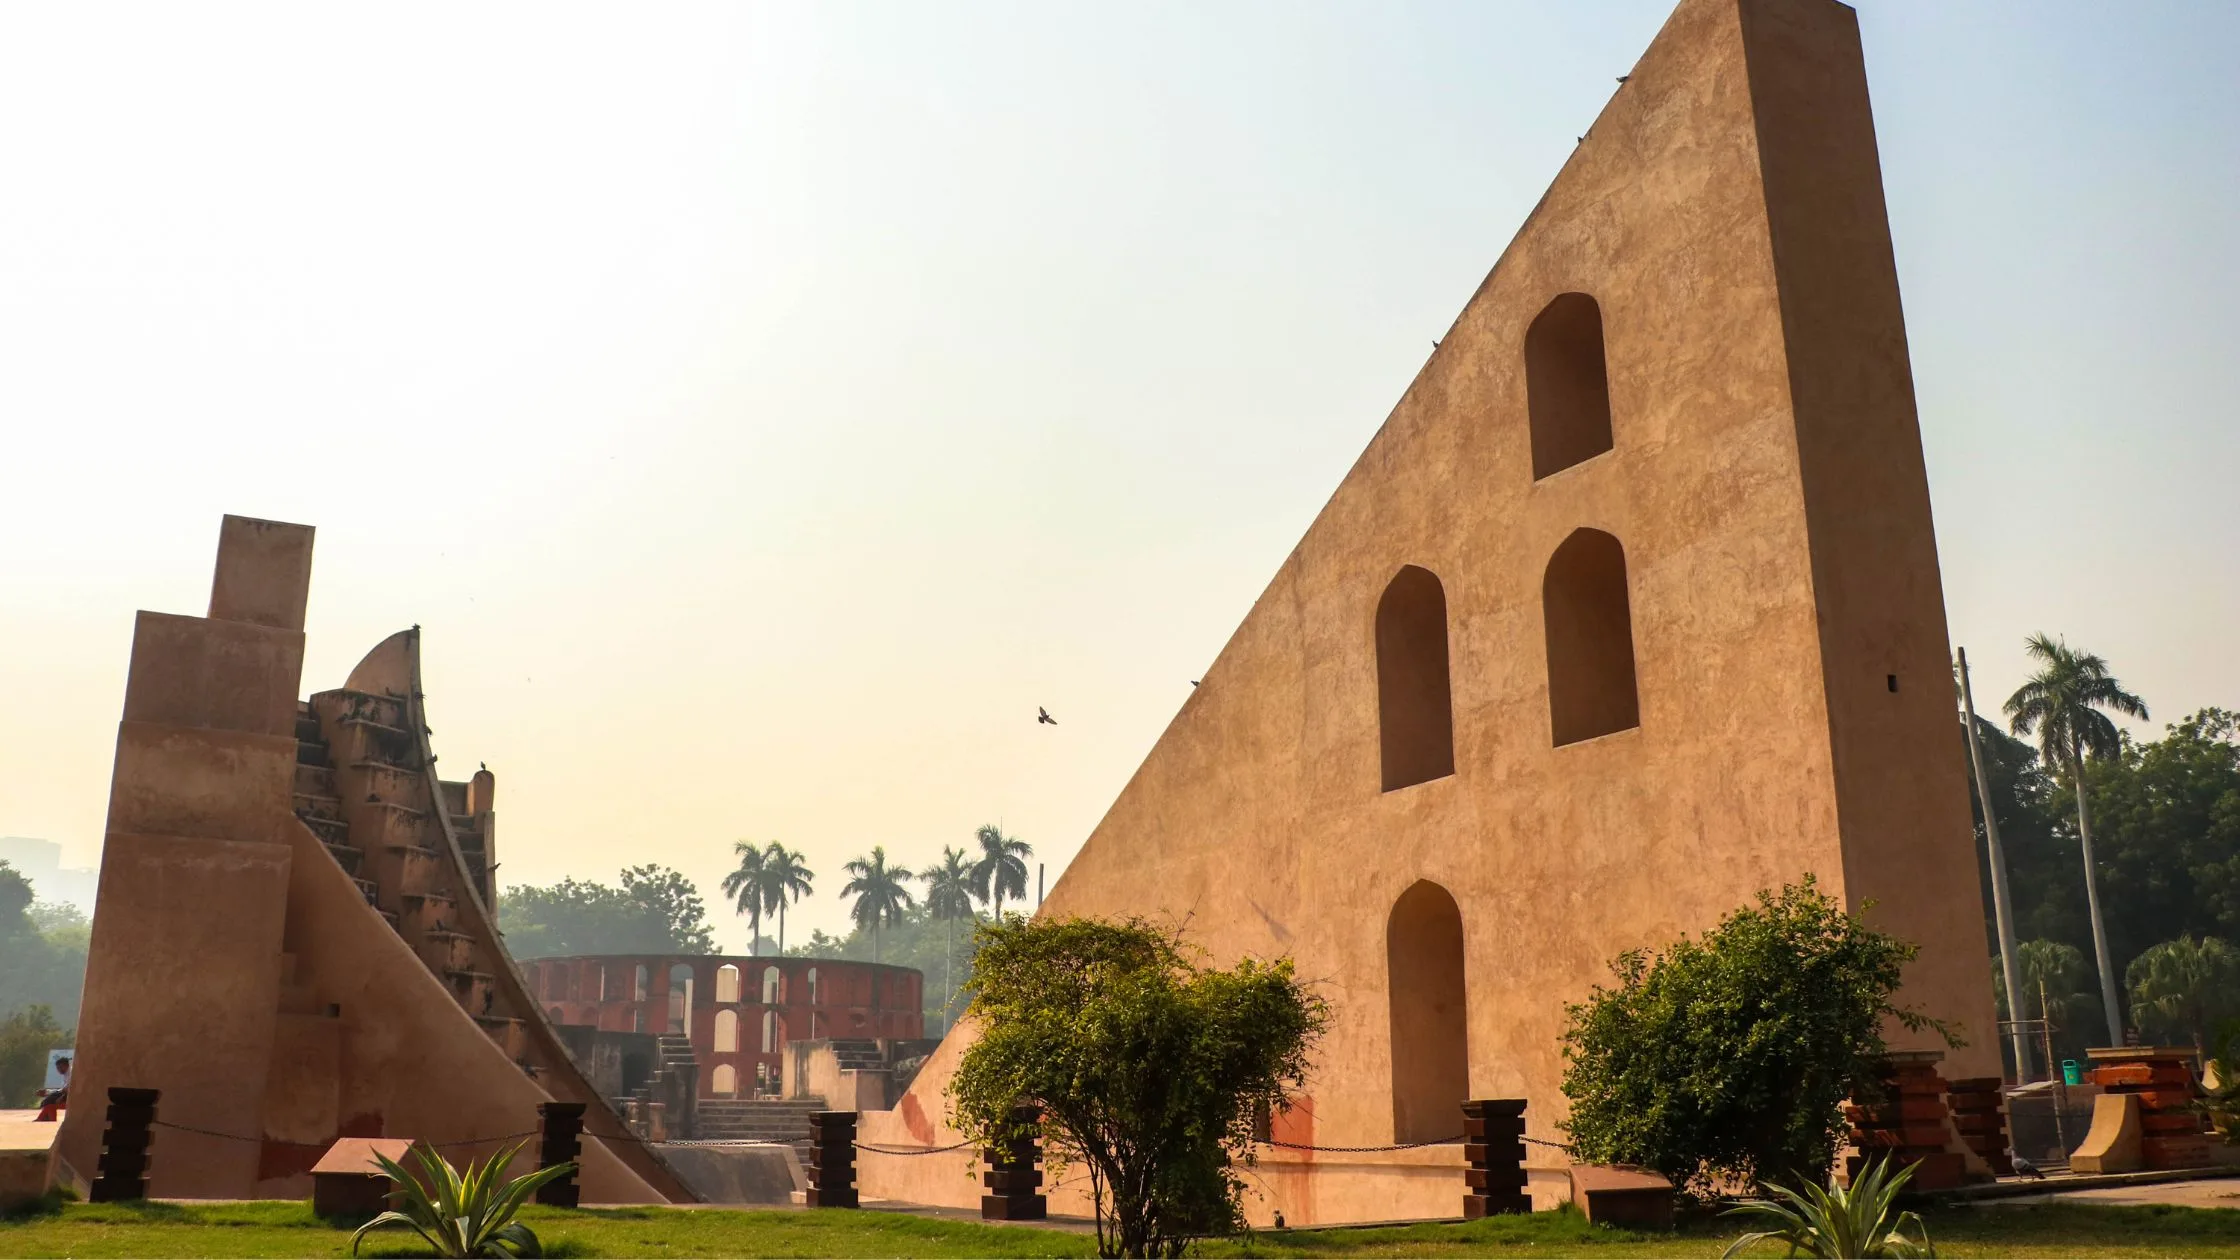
{"x": 1148, "y": 1067}
{"x": 1838, "y": 1223}
{"x": 1731, "y": 1057}
{"x": 463, "y": 1215}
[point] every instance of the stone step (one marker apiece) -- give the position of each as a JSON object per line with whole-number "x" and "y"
{"x": 309, "y": 806}
{"x": 332, "y": 831}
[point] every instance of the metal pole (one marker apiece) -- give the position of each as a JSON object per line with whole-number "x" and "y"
{"x": 1038, "y": 868}
{"x": 2010, "y": 967}
{"x": 2059, "y": 1082}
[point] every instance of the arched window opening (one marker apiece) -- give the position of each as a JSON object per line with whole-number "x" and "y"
{"x": 638, "y": 988}
{"x": 727, "y": 984}
{"x": 769, "y": 984}
{"x": 812, "y": 979}
{"x": 1591, "y": 685}
{"x": 602, "y": 984}
{"x": 769, "y": 1031}
{"x": 680, "y": 998}
{"x": 727, "y": 1031}
{"x": 1430, "y": 1014}
{"x": 638, "y": 1020}
{"x": 1415, "y": 708}
{"x": 554, "y": 1015}
{"x": 726, "y": 1081}
{"x": 1567, "y": 384}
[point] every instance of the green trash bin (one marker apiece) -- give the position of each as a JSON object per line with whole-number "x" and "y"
{"x": 2070, "y": 1073}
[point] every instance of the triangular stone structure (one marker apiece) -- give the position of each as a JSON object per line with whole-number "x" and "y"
{"x": 1629, "y": 610}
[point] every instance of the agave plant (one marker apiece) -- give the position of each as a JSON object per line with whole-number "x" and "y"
{"x": 463, "y": 1215}
{"x": 1836, "y": 1222}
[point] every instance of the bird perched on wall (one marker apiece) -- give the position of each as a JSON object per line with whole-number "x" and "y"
{"x": 484, "y": 764}
{"x": 1042, "y": 716}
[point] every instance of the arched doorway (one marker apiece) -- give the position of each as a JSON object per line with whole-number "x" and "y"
{"x": 1430, "y": 1014}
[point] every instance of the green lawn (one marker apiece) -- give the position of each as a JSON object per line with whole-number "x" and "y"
{"x": 289, "y": 1229}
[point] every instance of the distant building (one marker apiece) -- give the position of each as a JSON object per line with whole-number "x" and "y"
{"x": 739, "y": 1011}
{"x": 40, "y": 861}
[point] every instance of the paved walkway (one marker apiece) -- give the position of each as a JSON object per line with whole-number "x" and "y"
{"x": 2222, "y": 1192}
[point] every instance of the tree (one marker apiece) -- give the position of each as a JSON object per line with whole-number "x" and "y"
{"x": 2166, "y": 830}
{"x": 2054, "y": 990}
{"x": 746, "y": 886}
{"x": 1732, "y": 1056}
{"x": 949, "y": 898}
{"x": 1002, "y": 868}
{"x": 42, "y": 950}
{"x": 2062, "y": 703}
{"x": 655, "y": 911}
{"x": 785, "y": 879}
{"x": 2183, "y": 988}
{"x": 673, "y": 901}
{"x": 879, "y": 892}
{"x": 1147, "y": 1067}
{"x": 26, "y": 1037}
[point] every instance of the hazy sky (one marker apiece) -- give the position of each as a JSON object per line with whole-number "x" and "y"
{"x": 764, "y": 408}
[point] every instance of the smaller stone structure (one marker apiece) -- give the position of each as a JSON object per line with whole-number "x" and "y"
{"x": 739, "y": 1012}
{"x": 348, "y": 1180}
{"x": 2172, "y": 1132}
{"x": 1622, "y": 1196}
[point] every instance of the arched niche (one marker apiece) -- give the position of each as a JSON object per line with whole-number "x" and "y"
{"x": 727, "y": 983}
{"x": 1591, "y": 686}
{"x": 725, "y": 1083}
{"x": 1415, "y": 704}
{"x": 1567, "y": 384}
{"x": 1430, "y": 1014}
{"x": 727, "y": 1031}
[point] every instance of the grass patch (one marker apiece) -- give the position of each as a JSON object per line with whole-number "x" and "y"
{"x": 290, "y": 1229}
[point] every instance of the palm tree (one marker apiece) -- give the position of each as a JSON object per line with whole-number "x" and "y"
{"x": 877, "y": 888}
{"x": 949, "y": 898}
{"x": 2186, "y": 985}
{"x": 1002, "y": 868}
{"x": 2062, "y": 703}
{"x": 2052, "y": 979}
{"x": 746, "y": 886}
{"x": 785, "y": 879}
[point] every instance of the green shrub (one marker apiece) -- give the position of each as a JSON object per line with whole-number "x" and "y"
{"x": 1731, "y": 1056}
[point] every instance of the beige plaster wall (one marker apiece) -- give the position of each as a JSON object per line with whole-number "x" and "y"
{"x": 1766, "y": 487}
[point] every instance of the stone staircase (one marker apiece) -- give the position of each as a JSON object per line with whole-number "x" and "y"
{"x": 855, "y": 1055}
{"x": 759, "y": 1120}
{"x": 367, "y": 810}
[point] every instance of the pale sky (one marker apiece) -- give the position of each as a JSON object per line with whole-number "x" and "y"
{"x": 764, "y": 408}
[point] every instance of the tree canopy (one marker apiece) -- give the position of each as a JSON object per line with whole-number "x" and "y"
{"x": 654, "y": 910}
{"x": 2166, "y": 834}
{"x": 1148, "y": 1067}
{"x": 42, "y": 950}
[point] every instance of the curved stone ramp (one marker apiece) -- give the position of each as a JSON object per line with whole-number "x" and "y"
{"x": 370, "y": 799}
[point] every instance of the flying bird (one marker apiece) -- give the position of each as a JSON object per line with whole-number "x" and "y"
{"x": 1042, "y": 715}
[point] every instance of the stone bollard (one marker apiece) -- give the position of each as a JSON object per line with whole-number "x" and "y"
{"x": 122, "y": 1173}
{"x": 1012, "y": 1180}
{"x": 562, "y": 1142}
{"x": 1493, "y": 1158}
{"x": 832, "y": 1159}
